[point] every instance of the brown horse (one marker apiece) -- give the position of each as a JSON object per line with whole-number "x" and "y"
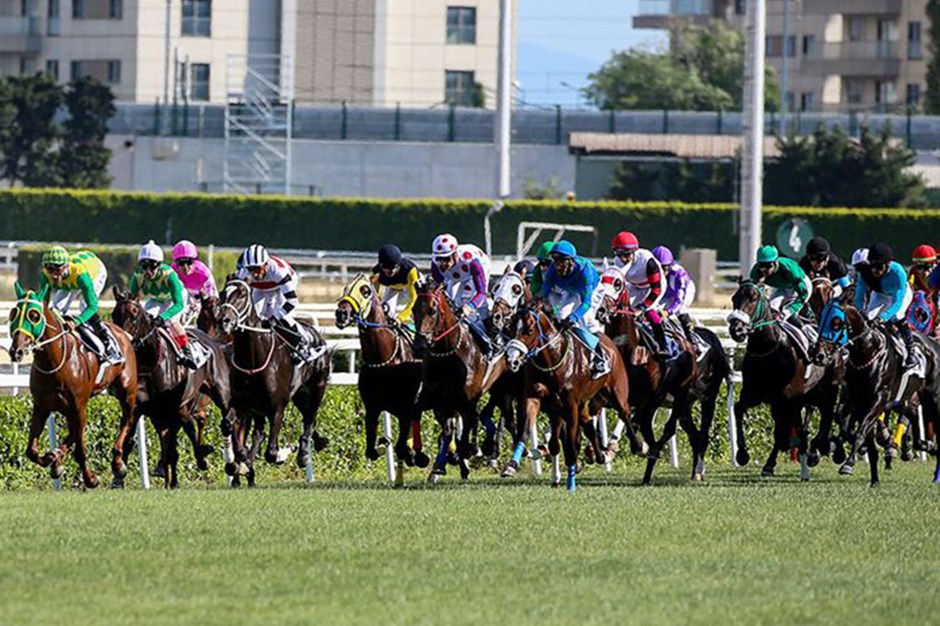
{"x": 63, "y": 377}
{"x": 264, "y": 381}
{"x": 390, "y": 378}
{"x": 558, "y": 374}
{"x": 454, "y": 375}
{"x": 206, "y": 321}
{"x": 170, "y": 393}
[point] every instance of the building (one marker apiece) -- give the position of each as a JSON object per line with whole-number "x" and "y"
{"x": 374, "y": 52}
{"x": 840, "y": 55}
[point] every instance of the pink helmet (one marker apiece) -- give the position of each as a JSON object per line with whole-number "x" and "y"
{"x": 185, "y": 249}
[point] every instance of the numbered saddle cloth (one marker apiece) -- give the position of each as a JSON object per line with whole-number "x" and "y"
{"x": 803, "y": 338}
{"x": 93, "y": 343}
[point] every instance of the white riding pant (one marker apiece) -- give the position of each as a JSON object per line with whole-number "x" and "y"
{"x": 269, "y": 304}
{"x": 878, "y": 302}
{"x": 567, "y": 303}
{"x": 155, "y": 307}
{"x": 780, "y": 298}
{"x": 638, "y": 294}
{"x": 62, "y": 299}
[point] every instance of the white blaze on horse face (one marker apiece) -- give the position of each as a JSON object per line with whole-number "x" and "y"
{"x": 509, "y": 290}
{"x": 515, "y": 354}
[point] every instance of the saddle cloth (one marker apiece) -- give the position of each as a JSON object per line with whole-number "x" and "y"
{"x": 803, "y": 339}
{"x": 674, "y": 328}
{"x": 93, "y": 343}
{"x": 672, "y": 346}
{"x": 200, "y": 353}
{"x": 920, "y": 360}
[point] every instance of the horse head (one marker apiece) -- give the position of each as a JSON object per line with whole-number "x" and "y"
{"x": 611, "y": 286}
{"x": 28, "y": 320}
{"x": 833, "y": 331}
{"x": 235, "y": 305}
{"x": 823, "y": 291}
{"x": 356, "y": 303}
{"x": 921, "y": 314}
{"x": 208, "y": 312}
{"x": 509, "y": 291}
{"x": 750, "y": 307}
{"x": 434, "y": 314}
{"x": 131, "y": 316}
{"x": 531, "y": 332}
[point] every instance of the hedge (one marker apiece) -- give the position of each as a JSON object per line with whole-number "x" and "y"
{"x": 365, "y": 224}
{"x": 120, "y": 262}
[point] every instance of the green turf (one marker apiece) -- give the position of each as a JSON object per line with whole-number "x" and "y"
{"x": 738, "y": 549}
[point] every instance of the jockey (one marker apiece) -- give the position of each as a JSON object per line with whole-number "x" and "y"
{"x": 791, "y": 286}
{"x": 399, "y": 276}
{"x": 924, "y": 260}
{"x": 891, "y": 294}
{"x": 194, "y": 274}
{"x": 544, "y": 261}
{"x": 464, "y": 270}
{"x": 820, "y": 261}
{"x": 273, "y": 285}
{"x": 526, "y": 269}
{"x": 569, "y": 286}
{"x": 680, "y": 290}
{"x": 643, "y": 276}
{"x": 80, "y": 274}
{"x": 166, "y": 298}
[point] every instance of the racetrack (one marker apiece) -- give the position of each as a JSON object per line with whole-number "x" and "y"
{"x": 738, "y": 549}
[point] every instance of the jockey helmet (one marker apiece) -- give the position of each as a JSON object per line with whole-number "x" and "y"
{"x": 860, "y": 257}
{"x": 444, "y": 245}
{"x": 256, "y": 255}
{"x": 564, "y": 248}
{"x": 545, "y": 251}
{"x": 150, "y": 251}
{"x": 389, "y": 256}
{"x": 767, "y": 254}
{"x": 524, "y": 267}
{"x": 924, "y": 254}
{"x": 625, "y": 240}
{"x": 880, "y": 253}
{"x": 185, "y": 249}
{"x": 664, "y": 255}
{"x": 56, "y": 255}
{"x": 818, "y": 246}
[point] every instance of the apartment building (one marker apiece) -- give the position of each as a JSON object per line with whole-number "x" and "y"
{"x": 839, "y": 55}
{"x": 370, "y": 52}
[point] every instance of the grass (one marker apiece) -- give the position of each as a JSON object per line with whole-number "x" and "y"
{"x": 738, "y": 549}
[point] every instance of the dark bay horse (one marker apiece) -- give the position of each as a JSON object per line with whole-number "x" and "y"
{"x": 390, "y": 376}
{"x": 685, "y": 378}
{"x": 877, "y": 383}
{"x": 775, "y": 373}
{"x": 63, "y": 377}
{"x": 170, "y": 393}
{"x": 455, "y": 375}
{"x": 558, "y": 373}
{"x": 264, "y": 381}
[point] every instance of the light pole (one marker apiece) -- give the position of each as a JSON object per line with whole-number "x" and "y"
{"x": 752, "y": 162}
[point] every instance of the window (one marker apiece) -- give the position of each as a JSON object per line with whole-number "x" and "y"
{"x": 27, "y": 65}
{"x": 75, "y": 73}
{"x": 199, "y": 81}
{"x": 96, "y": 9}
{"x": 854, "y": 90}
{"x": 78, "y": 9}
{"x": 773, "y": 46}
{"x": 104, "y": 71}
{"x": 791, "y": 98}
{"x": 806, "y": 101}
{"x": 913, "y": 94}
{"x": 885, "y": 92}
{"x": 809, "y": 45}
{"x": 854, "y": 28}
{"x": 791, "y": 46}
{"x": 114, "y": 72}
{"x": 116, "y": 10}
{"x": 740, "y": 7}
{"x": 915, "y": 49}
{"x": 459, "y": 88}
{"x": 52, "y": 68}
{"x": 462, "y": 25}
{"x": 52, "y": 24}
{"x": 197, "y": 18}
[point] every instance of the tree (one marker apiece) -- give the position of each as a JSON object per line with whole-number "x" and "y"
{"x": 28, "y": 147}
{"x": 932, "y": 97}
{"x": 702, "y": 71}
{"x": 829, "y": 168}
{"x": 684, "y": 181}
{"x": 83, "y": 162}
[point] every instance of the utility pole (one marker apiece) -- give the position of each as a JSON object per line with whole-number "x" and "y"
{"x": 503, "y": 132}
{"x": 166, "y": 54}
{"x": 752, "y": 163}
{"x": 785, "y": 68}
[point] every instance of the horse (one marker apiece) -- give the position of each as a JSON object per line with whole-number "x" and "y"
{"x": 206, "y": 320}
{"x": 63, "y": 377}
{"x": 776, "y": 372}
{"x": 685, "y": 378}
{"x": 390, "y": 377}
{"x": 877, "y": 383}
{"x": 455, "y": 374}
{"x": 558, "y": 374}
{"x": 170, "y": 393}
{"x": 264, "y": 381}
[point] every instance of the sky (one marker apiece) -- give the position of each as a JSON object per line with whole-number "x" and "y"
{"x": 562, "y": 41}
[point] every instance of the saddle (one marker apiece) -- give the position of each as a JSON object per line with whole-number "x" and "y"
{"x": 200, "y": 353}
{"x": 920, "y": 359}
{"x": 305, "y": 333}
{"x": 674, "y": 329}
{"x": 803, "y": 339}
{"x": 673, "y": 349}
{"x": 93, "y": 343}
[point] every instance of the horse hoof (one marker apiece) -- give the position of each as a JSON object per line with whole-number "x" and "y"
{"x": 556, "y": 484}
{"x": 838, "y": 455}
{"x": 493, "y": 464}
{"x": 891, "y": 452}
{"x": 91, "y": 482}
{"x": 303, "y": 460}
{"x": 202, "y": 464}
{"x": 434, "y": 478}
{"x": 56, "y": 471}
{"x": 509, "y": 471}
{"x": 120, "y": 469}
{"x": 613, "y": 445}
{"x": 812, "y": 458}
{"x": 464, "y": 469}
{"x": 319, "y": 443}
{"x": 589, "y": 455}
{"x": 535, "y": 454}
{"x": 907, "y": 455}
{"x": 742, "y": 458}
{"x": 243, "y": 469}
{"x": 846, "y": 469}
{"x": 697, "y": 477}
{"x": 231, "y": 469}
{"x": 422, "y": 460}
{"x": 875, "y": 483}
{"x": 767, "y": 471}
{"x": 117, "y": 484}
{"x": 372, "y": 455}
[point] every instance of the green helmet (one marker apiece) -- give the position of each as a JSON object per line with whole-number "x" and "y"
{"x": 56, "y": 255}
{"x": 767, "y": 254}
{"x": 545, "y": 251}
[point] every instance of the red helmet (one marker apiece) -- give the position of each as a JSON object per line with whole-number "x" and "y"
{"x": 924, "y": 254}
{"x": 625, "y": 240}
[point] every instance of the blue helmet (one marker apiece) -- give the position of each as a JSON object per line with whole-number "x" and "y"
{"x": 564, "y": 248}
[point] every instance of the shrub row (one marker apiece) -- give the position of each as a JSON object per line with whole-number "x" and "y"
{"x": 365, "y": 224}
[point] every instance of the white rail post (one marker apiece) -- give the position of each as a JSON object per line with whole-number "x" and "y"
{"x": 732, "y": 423}
{"x": 389, "y": 448}
{"x": 537, "y": 462}
{"x": 673, "y": 446}
{"x": 53, "y": 444}
{"x": 142, "y": 447}
{"x": 920, "y": 431}
{"x": 309, "y": 470}
{"x": 602, "y": 431}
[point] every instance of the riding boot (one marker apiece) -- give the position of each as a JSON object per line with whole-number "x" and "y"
{"x": 905, "y": 331}
{"x": 483, "y": 338}
{"x": 659, "y": 334}
{"x": 688, "y": 329}
{"x": 300, "y": 347}
{"x": 111, "y": 353}
{"x": 187, "y": 359}
{"x": 600, "y": 364}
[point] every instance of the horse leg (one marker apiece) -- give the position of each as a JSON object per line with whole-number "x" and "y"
{"x": 273, "y": 453}
{"x": 309, "y": 407}
{"x": 554, "y": 447}
{"x": 36, "y": 425}
{"x": 372, "y": 427}
{"x": 572, "y": 444}
{"x": 465, "y": 449}
{"x": 489, "y": 426}
{"x": 257, "y": 439}
{"x": 782, "y": 428}
{"x": 703, "y": 434}
{"x": 820, "y": 444}
{"x": 669, "y": 430}
{"x": 421, "y": 458}
{"x": 123, "y": 444}
{"x": 443, "y": 444}
{"x": 873, "y": 460}
{"x": 76, "y": 422}
{"x": 521, "y": 427}
{"x": 740, "y": 408}
{"x": 163, "y": 432}
{"x": 194, "y": 425}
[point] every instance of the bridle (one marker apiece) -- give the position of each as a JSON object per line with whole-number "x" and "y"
{"x": 440, "y": 298}
{"x": 36, "y": 345}
{"x": 241, "y": 314}
{"x": 544, "y": 342}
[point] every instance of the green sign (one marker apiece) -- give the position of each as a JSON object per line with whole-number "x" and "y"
{"x": 792, "y": 237}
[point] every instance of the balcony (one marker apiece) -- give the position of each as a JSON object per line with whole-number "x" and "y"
{"x": 855, "y": 58}
{"x": 658, "y": 13}
{"x": 20, "y": 34}
{"x": 852, "y": 7}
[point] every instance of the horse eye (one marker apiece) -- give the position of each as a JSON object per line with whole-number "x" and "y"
{"x": 836, "y": 324}
{"x": 365, "y": 290}
{"x": 33, "y": 316}
{"x": 618, "y": 284}
{"x": 516, "y": 289}
{"x": 14, "y": 313}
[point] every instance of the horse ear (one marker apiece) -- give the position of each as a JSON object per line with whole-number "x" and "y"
{"x": 116, "y": 293}
{"x": 20, "y": 292}
{"x": 41, "y": 296}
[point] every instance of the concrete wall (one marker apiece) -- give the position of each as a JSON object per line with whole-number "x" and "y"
{"x": 343, "y": 168}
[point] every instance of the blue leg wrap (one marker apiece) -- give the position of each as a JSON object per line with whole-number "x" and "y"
{"x": 936, "y": 476}
{"x": 517, "y": 453}
{"x": 571, "y": 481}
{"x": 489, "y": 425}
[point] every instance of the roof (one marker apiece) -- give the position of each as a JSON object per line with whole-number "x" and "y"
{"x": 676, "y": 146}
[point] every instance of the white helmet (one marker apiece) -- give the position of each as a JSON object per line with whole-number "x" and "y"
{"x": 256, "y": 255}
{"x": 443, "y": 246}
{"x": 860, "y": 257}
{"x": 150, "y": 251}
